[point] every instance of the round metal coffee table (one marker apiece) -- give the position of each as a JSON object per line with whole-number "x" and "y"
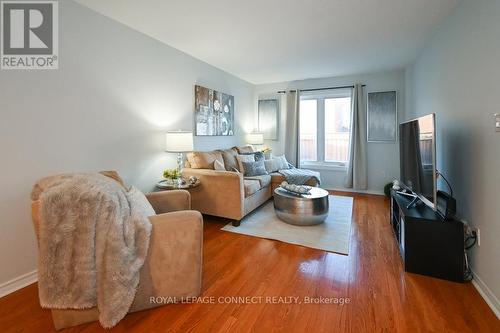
{"x": 304, "y": 209}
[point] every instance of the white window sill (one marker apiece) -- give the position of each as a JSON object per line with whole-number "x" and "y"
{"x": 323, "y": 166}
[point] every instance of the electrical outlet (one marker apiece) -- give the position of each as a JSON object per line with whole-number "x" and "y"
{"x": 497, "y": 122}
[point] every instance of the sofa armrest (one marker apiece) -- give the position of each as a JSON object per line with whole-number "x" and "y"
{"x": 221, "y": 193}
{"x": 169, "y": 201}
{"x": 173, "y": 267}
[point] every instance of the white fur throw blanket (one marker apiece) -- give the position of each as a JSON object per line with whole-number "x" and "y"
{"x": 93, "y": 240}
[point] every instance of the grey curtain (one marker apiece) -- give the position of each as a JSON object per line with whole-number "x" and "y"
{"x": 292, "y": 144}
{"x": 356, "y": 171}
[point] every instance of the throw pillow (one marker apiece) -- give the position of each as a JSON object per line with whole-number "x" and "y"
{"x": 244, "y": 158}
{"x": 258, "y": 155}
{"x": 256, "y": 168}
{"x": 245, "y": 149}
{"x": 281, "y": 162}
{"x": 219, "y": 166}
{"x": 204, "y": 159}
{"x": 229, "y": 157}
{"x": 270, "y": 165}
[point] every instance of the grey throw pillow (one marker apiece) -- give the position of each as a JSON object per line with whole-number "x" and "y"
{"x": 258, "y": 155}
{"x": 256, "y": 168}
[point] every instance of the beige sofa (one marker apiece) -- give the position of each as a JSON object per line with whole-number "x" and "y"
{"x": 165, "y": 273}
{"x": 227, "y": 193}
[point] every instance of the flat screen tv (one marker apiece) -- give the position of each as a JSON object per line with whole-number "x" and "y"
{"x": 417, "y": 147}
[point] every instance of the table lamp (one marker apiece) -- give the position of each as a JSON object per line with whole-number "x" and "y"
{"x": 179, "y": 142}
{"x": 255, "y": 138}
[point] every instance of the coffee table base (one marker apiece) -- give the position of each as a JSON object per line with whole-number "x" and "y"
{"x": 301, "y": 219}
{"x": 302, "y": 210}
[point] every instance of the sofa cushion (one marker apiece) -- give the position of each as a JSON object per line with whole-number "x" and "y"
{"x": 256, "y": 168}
{"x": 204, "y": 159}
{"x": 271, "y": 165}
{"x": 219, "y": 166}
{"x": 251, "y": 186}
{"x": 244, "y": 158}
{"x": 229, "y": 157}
{"x": 258, "y": 155}
{"x": 276, "y": 163}
{"x": 244, "y": 149}
{"x": 281, "y": 162}
{"x": 264, "y": 180}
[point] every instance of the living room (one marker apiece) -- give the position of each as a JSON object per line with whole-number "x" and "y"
{"x": 270, "y": 152}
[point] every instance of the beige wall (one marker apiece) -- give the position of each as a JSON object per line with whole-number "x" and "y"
{"x": 107, "y": 107}
{"x": 457, "y": 76}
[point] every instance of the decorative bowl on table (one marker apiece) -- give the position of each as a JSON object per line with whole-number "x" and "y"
{"x": 295, "y": 189}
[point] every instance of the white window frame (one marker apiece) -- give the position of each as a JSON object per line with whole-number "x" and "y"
{"x": 321, "y": 164}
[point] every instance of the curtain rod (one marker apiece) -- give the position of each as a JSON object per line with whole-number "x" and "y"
{"x": 317, "y": 89}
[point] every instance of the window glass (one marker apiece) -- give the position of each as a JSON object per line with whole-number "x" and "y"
{"x": 309, "y": 130}
{"x": 337, "y": 129}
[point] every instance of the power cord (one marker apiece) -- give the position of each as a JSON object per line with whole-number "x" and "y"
{"x": 446, "y": 181}
{"x": 468, "y": 276}
{"x": 469, "y": 243}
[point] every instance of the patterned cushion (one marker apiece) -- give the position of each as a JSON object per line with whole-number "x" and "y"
{"x": 244, "y": 158}
{"x": 256, "y": 168}
{"x": 204, "y": 159}
{"x": 258, "y": 155}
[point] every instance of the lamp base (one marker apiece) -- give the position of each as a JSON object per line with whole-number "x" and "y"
{"x": 179, "y": 165}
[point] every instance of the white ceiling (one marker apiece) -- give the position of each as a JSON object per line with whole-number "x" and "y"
{"x": 266, "y": 41}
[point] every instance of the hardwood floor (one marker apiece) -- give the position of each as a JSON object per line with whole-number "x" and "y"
{"x": 382, "y": 297}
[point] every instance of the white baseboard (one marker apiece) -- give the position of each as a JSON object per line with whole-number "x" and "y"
{"x": 343, "y": 189}
{"x": 487, "y": 294}
{"x": 18, "y": 283}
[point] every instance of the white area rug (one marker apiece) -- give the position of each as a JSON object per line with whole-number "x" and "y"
{"x": 333, "y": 235}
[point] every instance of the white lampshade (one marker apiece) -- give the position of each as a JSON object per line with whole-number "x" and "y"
{"x": 179, "y": 141}
{"x": 255, "y": 138}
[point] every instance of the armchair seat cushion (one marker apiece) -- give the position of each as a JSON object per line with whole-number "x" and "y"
{"x": 251, "y": 186}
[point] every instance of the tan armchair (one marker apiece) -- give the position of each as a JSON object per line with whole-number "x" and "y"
{"x": 173, "y": 267}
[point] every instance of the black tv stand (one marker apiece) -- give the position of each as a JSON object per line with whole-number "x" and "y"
{"x": 428, "y": 244}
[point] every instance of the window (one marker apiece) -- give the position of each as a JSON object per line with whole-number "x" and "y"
{"x": 325, "y": 125}
{"x": 309, "y": 130}
{"x": 337, "y": 129}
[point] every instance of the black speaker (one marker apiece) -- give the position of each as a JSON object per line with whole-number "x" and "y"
{"x": 446, "y": 205}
